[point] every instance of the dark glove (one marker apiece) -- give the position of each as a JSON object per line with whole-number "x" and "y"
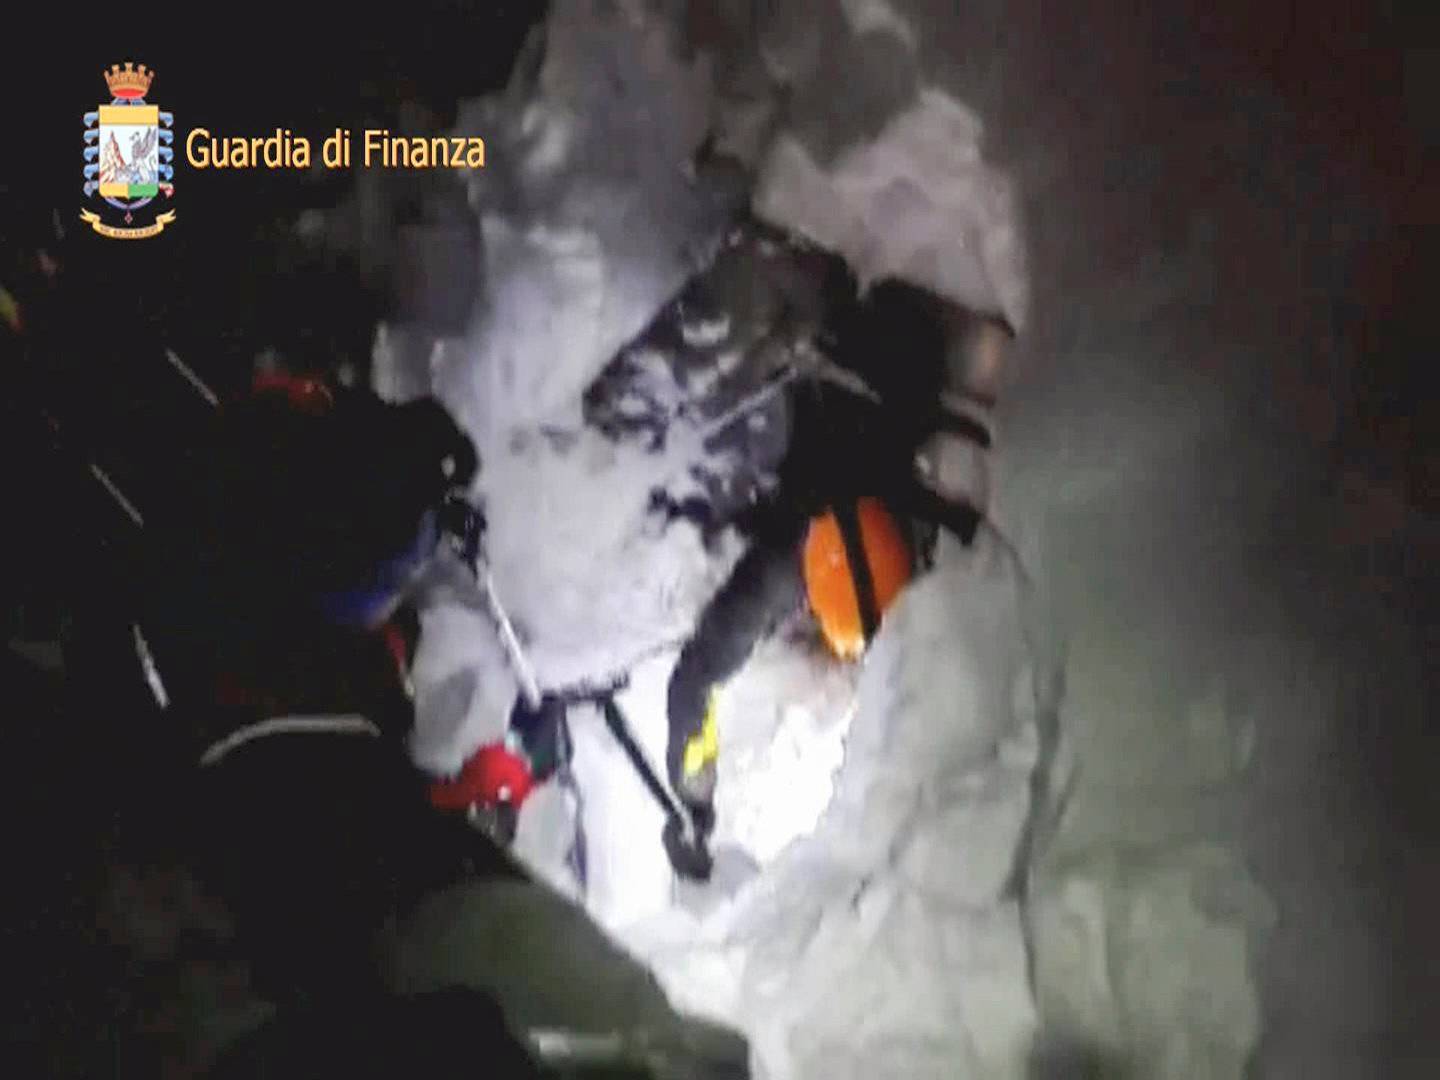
{"x": 439, "y": 442}
{"x": 464, "y": 525}
{"x": 959, "y": 517}
{"x": 499, "y": 821}
{"x": 687, "y": 850}
{"x": 702, "y": 817}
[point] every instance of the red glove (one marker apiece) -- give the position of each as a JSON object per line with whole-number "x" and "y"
{"x": 492, "y": 775}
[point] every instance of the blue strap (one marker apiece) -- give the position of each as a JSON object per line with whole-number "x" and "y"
{"x": 367, "y": 604}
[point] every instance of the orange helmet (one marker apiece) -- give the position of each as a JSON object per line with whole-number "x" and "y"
{"x": 856, "y": 562}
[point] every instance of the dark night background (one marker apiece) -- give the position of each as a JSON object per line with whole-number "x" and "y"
{"x": 225, "y": 282}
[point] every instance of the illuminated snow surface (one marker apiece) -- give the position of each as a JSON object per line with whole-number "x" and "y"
{"x": 868, "y": 933}
{"x": 874, "y": 823}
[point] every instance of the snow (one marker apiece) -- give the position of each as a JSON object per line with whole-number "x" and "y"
{"x": 630, "y": 877}
{"x": 856, "y": 144}
{"x": 841, "y": 804}
{"x": 937, "y": 763}
{"x": 592, "y": 580}
{"x": 784, "y": 727}
{"x": 900, "y": 847}
{"x": 1152, "y": 908}
{"x": 582, "y": 241}
{"x": 867, "y": 16}
{"x": 464, "y": 688}
{"x": 821, "y": 893}
{"x": 917, "y": 202}
{"x": 581, "y": 245}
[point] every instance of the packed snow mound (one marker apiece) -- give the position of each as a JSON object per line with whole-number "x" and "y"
{"x": 605, "y": 538}
{"x": 590, "y": 222}
{"x": 591, "y": 577}
{"x": 863, "y": 918}
{"x": 629, "y": 876}
{"x": 889, "y": 941}
{"x": 589, "y": 219}
{"x": 783, "y": 720}
{"x": 916, "y": 203}
{"x": 1144, "y": 958}
{"x": 853, "y": 143}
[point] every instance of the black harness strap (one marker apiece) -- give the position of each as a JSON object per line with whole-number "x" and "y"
{"x": 848, "y": 518}
{"x": 958, "y": 517}
{"x": 958, "y": 423}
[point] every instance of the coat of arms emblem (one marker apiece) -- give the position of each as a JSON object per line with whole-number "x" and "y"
{"x": 128, "y": 154}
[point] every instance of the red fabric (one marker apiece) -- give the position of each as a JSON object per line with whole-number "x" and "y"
{"x": 489, "y": 770}
{"x": 399, "y": 649}
{"x": 305, "y": 394}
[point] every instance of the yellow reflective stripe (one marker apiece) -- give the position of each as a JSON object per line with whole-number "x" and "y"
{"x": 694, "y": 756}
{"x": 704, "y": 747}
{"x": 710, "y": 734}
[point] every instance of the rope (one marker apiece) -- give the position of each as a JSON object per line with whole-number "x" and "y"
{"x": 348, "y": 724}
{"x": 519, "y": 662}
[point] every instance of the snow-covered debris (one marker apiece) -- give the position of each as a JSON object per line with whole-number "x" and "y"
{"x": 918, "y": 202}
{"x": 871, "y": 930}
{"x": 588, "y": 220}
{"x": 589, "y": 226}
{"x": 596, "y": 566}
{"x": 592, "y": 581}
{"x": 889, "y": 941}
{"x": 837, "y": 109}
